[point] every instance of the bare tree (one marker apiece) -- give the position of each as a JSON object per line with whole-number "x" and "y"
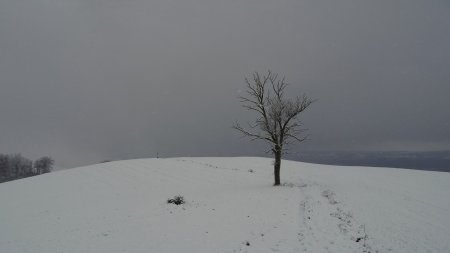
{"x": 4, "y": 168}
{"x": 16, "y": 166}
{"x": 44, "y": 165}
{"x": 278, "y": 117}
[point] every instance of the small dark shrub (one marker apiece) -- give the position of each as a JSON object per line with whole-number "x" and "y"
{"x": 177, "y": 200}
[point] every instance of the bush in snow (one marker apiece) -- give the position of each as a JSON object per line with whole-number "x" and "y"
{"x": 177, "y": 200}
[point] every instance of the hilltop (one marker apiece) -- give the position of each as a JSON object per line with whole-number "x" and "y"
{"x": 230, "y": 206}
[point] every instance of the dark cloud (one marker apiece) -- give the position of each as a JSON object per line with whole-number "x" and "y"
{"x": 85, "y": 81}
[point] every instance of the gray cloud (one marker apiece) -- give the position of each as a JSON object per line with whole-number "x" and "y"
{"x": 85, "y": 80}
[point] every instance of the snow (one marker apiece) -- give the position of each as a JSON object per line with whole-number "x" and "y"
{"x": 231, "y": 207}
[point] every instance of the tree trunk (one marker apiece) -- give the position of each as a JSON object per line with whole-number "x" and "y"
{"x": 277, "y": 166}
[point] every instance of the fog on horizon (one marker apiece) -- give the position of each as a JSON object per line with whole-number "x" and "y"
{"x": 85, "y": 81}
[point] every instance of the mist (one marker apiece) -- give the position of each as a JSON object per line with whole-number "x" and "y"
{"x": 86, "y": 81}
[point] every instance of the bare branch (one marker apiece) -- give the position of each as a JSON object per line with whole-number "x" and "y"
{"x": 253, "y": 136}
{"x": 278, "y": 115}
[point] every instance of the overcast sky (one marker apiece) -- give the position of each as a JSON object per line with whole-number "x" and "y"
{"x": 89, "y": 80}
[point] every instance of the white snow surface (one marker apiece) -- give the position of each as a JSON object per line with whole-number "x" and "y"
{"x": 231, "y": 206}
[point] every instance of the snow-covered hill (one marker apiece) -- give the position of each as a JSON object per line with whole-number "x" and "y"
{"x": 231, "y": 207}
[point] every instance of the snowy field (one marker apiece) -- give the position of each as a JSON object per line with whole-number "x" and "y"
{"x": 231, "y": 206}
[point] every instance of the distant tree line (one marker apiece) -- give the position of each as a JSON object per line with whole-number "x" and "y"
{"x": 16, "y": 166}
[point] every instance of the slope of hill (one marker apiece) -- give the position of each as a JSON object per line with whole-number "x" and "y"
{"x": 231, "y": 207}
